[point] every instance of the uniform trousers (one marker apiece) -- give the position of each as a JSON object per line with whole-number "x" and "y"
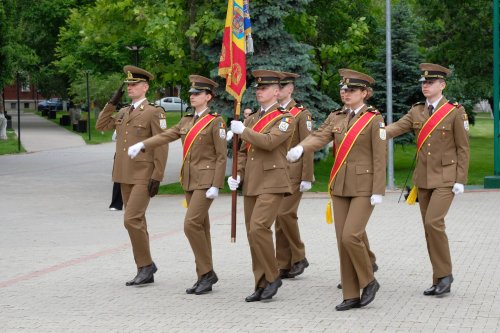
{"x": 136, "y": 199}
{"x": 351, "y": 214}
{"x": 260, "y": 214}
{"x": 289, "y": 247}
{"x": 197, "y": 230}
{"x": 434, "y": 205}
{"x": 372, "y": 256}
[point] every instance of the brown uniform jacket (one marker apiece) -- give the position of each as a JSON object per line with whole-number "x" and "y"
{"x": 205, "y": 163}
{"x": 263, "y": 169}
{"x": 144, "y": 122}
{"x": 443, "y": 159}
{"x": 303, "y": 169}
{"x": 363, "y": 172}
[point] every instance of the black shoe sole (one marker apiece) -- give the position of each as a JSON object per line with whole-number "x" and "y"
{"x": 249, "y": 300}
{"x": 201, "y": 292}
{"x": 348, "y": 307}
{"x": 443, "y": 293}
{"x": 151, "y": 280}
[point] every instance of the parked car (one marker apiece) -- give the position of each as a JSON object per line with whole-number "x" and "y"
{"x": 172, "y": 104}
{"x": 51, "y": 104}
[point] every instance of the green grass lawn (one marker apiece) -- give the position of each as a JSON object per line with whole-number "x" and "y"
{"x": 96, "y": 136}
{"x": 481, "y": 160}
{"x": 10, "y": 146}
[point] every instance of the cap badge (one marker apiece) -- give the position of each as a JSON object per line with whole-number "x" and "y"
{"x": 129, "y": 75}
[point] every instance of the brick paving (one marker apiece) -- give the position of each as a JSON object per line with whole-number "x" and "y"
{"x": 65, "y": 259}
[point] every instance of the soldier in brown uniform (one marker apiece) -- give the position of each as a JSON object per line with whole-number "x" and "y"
{"x": 140, "y": 179}
{"x": 357, "y": 184}
{"x": 372, "y": 256}
{"x": 442, "y": 166}
{"x": 290, "y": 250}
{"x": 203, "y": 136}
{"x": 262, "y": 168}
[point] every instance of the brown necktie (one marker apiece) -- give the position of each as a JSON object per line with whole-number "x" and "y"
{"x": 431, "y": 109}
{"x": 132, "y": 108}
{"x": 196, "y": 118}
{"x": 261, "y": 113}
{"x": 350, "y": 116}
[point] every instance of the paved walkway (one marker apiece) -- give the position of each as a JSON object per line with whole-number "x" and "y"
{"x": 64, "y": 259}
{"x": 38, "y": 133}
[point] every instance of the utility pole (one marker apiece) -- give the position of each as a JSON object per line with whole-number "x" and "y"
{"x": 18, "y": 79}
{"x": 135, "y": 49}
{"x": 494, "y": 181}
{"x": 388, "y": 65}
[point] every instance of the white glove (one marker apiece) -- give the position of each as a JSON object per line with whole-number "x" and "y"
{"x": 229, "y": 136}
{"x": 237, "y": 127}
{"x": 233, "y": 183}
{"x": 113, "y": 137}
{"x": 134, "y": 150}
{"x": 458, "y": 188}
{"x": 212, "y": 193}
{"x": 295, "y": 153}
{"x": 376, "y": 199}
{"x": 305, "y": 186}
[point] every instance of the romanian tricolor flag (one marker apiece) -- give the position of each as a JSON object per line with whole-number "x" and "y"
{"x": 232, "y": 64}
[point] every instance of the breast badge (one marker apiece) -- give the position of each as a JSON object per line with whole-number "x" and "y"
{"x": 382, "y": 133}
{"x": 284, "y": 124}
{"x": 222, "y": 133}
{"x": 163, "y": 124}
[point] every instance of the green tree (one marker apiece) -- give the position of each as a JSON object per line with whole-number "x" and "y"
{"x": 38, "y": 24}
{"x": 15, "y": 56}
{"x": 459, "y": 33}
{"x": 342, "y": 34}
{"x": 405, "y": 71}
{"x": 170, "y": 33}
{"x": 276, "y": 49}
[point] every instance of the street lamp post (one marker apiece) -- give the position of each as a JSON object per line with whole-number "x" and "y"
{"x": 388, "y": 64}
{"x": 18, "y": 86}
{"x": 135, "y": 49}
{"x": 88, "y": 102}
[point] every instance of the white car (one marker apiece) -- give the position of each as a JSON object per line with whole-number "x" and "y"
{"x": 172, "y": 104}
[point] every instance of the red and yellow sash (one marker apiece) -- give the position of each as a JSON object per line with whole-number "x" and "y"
{"x": 431, "y": 123}
{"x": 295, "y": 111}
{"x": 347, "y": 143}
{"x": 193, "y": 134}
{"x": 264, "y": 122}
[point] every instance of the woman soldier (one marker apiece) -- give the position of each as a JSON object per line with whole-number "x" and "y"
{"x": 357, "y": 181}
{"x": 203, "y": 135}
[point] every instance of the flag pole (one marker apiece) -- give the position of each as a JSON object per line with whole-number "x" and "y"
{"x": 234, "y": 174}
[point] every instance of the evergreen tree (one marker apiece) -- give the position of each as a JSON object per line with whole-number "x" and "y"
{"x": 405, "y": 71}
{"x": 275, "y": 49}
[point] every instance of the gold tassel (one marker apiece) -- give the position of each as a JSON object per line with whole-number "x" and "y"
{"x": 329, "y": 216}
{"x": 184, "y": 203}
{"x": 412, "y": 196}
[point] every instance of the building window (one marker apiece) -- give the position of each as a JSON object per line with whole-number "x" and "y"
{"x": 26, "y": 105}
{"x": 25, "y": 87}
